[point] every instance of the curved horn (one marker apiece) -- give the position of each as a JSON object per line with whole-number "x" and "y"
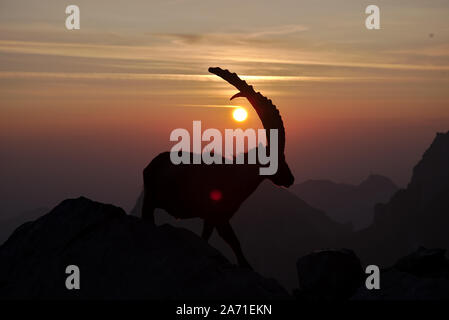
{"x": 266, "y": 110}
{"x": 237, "y": 95}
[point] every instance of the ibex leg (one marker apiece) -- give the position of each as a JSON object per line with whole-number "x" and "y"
{"x": 207, "y": 230}
{"x": 225, "y": 231}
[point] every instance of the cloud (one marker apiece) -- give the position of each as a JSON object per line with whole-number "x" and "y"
{"x": 278, "y": 30}
{"x": 248, "y": 36}
{"x": 186, "y": 77}
{"x": 179, "y": 56}
{"x": 181, "y": 38}
{"x": 439, "y": 50}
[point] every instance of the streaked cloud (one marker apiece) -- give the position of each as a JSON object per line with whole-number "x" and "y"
{"x": 260, "y": 35}
{"x": 174, "y": 54}
{"x": 278, "y": 31}
{"x": 182, "y": 77}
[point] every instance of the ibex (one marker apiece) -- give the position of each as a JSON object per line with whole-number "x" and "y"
{"x": 214, "y": 192}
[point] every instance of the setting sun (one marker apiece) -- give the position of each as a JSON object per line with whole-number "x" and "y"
{"x": 240, "y": 114}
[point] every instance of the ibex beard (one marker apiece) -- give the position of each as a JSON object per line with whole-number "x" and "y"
{"x": 213, "y": 151}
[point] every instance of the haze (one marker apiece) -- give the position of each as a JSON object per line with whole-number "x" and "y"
{"x": 83, "y": 112}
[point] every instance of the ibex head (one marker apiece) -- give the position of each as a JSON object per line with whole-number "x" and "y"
{"x": 283, "y": 177}
{"x": 270, "y": 117}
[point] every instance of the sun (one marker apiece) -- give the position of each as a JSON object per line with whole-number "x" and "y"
{"x": 240, "y": 114}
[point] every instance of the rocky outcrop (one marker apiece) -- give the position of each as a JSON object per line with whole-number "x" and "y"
{"x": 329, "y": 275}
{"x": 414, "y": 216}
{"x": 424, "y": 263}
{"x": 337, "y": 275}
{"x": 421, "y": 275}
{"x": 8, "y": 225}
{"x": 119, "y": 257}
{"x": 431, "y": 174}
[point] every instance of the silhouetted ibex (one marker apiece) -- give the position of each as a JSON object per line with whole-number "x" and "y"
{"x": 214, "y": 192}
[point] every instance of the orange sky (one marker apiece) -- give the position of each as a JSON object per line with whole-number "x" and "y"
{"x": 82, "y": 112}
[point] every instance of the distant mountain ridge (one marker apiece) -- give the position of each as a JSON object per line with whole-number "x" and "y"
{"x": 346, "y": 203}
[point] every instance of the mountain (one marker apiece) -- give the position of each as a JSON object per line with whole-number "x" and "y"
{"x": 119, "y": 257}
{"x": 8, "y": 225}
{"x": 274, "y": 227}
{"x": 415, "y": 216}
{"x": 347, "y": 203}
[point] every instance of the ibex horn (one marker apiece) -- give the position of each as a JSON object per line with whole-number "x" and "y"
{"x": 238, "y": 95}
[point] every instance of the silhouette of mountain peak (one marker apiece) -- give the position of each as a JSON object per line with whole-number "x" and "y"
{"x": 376, "y": 182}
{"x": 431, "y": 174}
{"x": 417, "y": 215}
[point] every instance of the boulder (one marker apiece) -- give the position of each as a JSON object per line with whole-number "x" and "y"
{"x": 424, "y": 262}
{"x": 421, "y": 275}
{"x": 329, "y": 275}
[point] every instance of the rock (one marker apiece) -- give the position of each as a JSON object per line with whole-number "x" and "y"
{"x": 431, "y": 174}
{"x": 397, "y": 285}
{"x": 329, "y": 275}
{"x": 421, "y": 275}
{"x": 424, "y": 262}
{"x": 8, "y": 225}
{"x": 119, "y": 257}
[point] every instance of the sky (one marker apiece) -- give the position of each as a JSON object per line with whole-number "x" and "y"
{"x": 82, "y": 112}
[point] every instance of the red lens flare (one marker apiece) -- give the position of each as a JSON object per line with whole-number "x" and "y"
{"x": 216, "y": 195}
